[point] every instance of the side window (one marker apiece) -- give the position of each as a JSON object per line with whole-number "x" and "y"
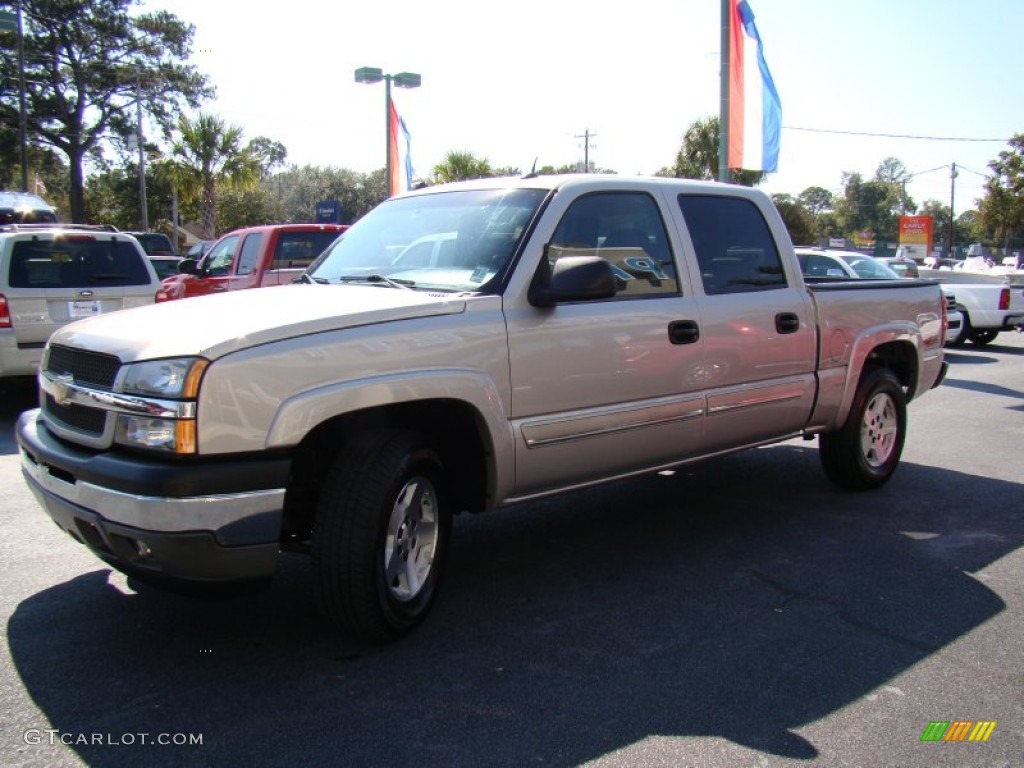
{"x": 297, "y": 250}
{"x": 734, "y": 247}
{"x": 218, "y": 261}
{"x": 626, "y": 229}
{"x": 250, "y": 253}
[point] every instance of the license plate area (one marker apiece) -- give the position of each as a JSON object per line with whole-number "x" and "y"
{"x": 80, "y": 309}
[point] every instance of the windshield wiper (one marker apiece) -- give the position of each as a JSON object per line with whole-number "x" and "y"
{"x": 307, "y": 278}
{"x": 378, "y": 279}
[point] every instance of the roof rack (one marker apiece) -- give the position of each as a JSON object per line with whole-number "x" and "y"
{"x": 57, "y": 225}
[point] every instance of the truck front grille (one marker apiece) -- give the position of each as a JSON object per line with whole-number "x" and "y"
{"x": 91, "y": 368}
{"x": 77, "y": 417}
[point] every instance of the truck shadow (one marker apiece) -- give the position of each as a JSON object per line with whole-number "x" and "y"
{"x": 741, "y": 598}
{"x": 16, "y": 395}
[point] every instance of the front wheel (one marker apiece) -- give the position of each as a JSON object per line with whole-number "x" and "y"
{"x": 864, "y": 453}
{"x": 380, "y": 536}
{"x": 981, "y": 337}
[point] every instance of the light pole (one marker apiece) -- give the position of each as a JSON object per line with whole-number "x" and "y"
{"x": 12, "y": 22}
{"x": 370, "y": 75}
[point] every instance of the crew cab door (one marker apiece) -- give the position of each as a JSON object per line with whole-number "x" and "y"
{"x": 607, "y": 386}
{"x": 216, "y": 270}
{"x": 758, "y": 323}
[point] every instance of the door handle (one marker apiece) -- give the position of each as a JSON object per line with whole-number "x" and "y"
{"x": 683, "y": 331}
{"x": 218, "y": 289}
{"x": 787, "y": 322}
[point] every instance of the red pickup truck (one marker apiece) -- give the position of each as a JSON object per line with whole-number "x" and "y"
{"x": 254, "y": 257}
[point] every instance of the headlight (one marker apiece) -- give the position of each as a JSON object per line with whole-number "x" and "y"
{"x": 159, "y": 430}
{"x": 175, "y": 378}
{"x": 171, "y": 435}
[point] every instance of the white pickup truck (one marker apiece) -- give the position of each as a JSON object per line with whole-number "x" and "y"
{"x": 989, "y": 304}
{"x": 567, "y": 331}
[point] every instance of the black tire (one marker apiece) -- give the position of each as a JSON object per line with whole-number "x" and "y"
{"x": 864, "y": 453}
{"x": 965, "y": 330}
{"x": 380, "y": 536}
{"x": 983, "y": 336}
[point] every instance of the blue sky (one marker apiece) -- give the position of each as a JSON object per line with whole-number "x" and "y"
{"x": 524, "y": 80}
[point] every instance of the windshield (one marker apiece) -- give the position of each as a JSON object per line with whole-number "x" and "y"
{"x": 450, "y": 241}
{"x": 866, "y": 266}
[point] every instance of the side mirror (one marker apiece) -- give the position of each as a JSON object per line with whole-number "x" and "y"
{"x": 188, "y": 267}
{"x": 573, "y": 278}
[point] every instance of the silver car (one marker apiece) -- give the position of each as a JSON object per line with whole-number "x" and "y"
{"x": 50, "y": 276}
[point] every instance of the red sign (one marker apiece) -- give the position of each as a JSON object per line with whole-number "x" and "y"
{"x": 916, "y": 230}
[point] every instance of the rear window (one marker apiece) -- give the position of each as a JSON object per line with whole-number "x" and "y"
{"x": 155, "y": 244}
{"x": 298, "y": 249}
{"x": 76, "y": 263}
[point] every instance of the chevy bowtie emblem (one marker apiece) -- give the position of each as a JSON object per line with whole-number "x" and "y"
{"x": 60, "y": 389}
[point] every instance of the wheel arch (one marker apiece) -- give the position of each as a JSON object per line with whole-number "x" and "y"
{"x": 459, "y": 433}
{"x": 899, "y": 355}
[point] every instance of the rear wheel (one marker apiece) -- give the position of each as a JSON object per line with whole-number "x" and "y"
{"x": 981, "y": 337}
{"x": 380, "y": 537}
{"x": 864, "y": 453}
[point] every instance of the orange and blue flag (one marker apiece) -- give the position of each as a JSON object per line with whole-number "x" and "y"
{"x": 400, "y": 154}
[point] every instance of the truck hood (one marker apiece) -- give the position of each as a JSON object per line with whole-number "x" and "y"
{"x": 214, "y": 326}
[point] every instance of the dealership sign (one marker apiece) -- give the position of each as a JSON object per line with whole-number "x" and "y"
{"x": 916, "y": 236}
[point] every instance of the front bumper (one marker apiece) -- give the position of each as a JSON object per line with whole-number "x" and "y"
{"x": 213, "y": 522}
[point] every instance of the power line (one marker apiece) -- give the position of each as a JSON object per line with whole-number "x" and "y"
{"x": 893, "y": 135}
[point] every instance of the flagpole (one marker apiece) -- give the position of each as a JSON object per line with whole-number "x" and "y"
{"x": 723, "y": 112}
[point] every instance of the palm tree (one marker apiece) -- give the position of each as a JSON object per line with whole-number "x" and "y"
{"x": 209, "y": 154}
{"x": 460, "y": 166}
{"x": 698, "y": 157}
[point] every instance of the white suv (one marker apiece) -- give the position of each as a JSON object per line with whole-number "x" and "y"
{"x": 50, "y": 276}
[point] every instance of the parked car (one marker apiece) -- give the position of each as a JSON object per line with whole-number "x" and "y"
{"x": 254, "y": 257}
{"x": 155, "y": 243}
{"x": 51, "y": 276}
{"x": 25, "y": 208}
{"x": 819, "y": 262}
{"x": 989, "y": 303}
{"x": 165, "y": 266}
{"x": 902, "y": 266}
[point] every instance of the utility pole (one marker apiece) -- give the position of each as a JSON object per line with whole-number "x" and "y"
{"x": 952, "y": 218}
{"x": 142, "y": 155}
{"x": 587, "y": 136}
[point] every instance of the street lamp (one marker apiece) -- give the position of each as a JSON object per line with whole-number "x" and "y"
{"x": 12, "y": 22}
{"x": 370, "y": 75}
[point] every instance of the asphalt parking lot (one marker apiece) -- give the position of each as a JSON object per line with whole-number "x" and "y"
{"x": 742, "y": 612}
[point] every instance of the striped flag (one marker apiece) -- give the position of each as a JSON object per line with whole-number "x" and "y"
{"x": 755, "y": 112}
{"x": 399, "y": 153}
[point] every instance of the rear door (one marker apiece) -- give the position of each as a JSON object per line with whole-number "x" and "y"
{"x": 55, "y": 280}
{"x": 758, "y": 323}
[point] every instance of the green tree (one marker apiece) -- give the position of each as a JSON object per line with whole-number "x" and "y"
{"x": 872, "y": 206}
{"x": 893, "y": 172}
{"x": 698, "y": 156}
{"x": 1002, "y": 209}
{"x": 461, "y": 166}
{"x": 206, "y": 155}
{"x": 88, "y": 65}
{"x": 798, "y": 220}
{"x": 816, "y": 200}
{"x": 271, "y": 154}
{"x": 300, "y": 189}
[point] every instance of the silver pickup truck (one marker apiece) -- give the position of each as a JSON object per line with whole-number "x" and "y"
{"x": 460, "y": 349}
